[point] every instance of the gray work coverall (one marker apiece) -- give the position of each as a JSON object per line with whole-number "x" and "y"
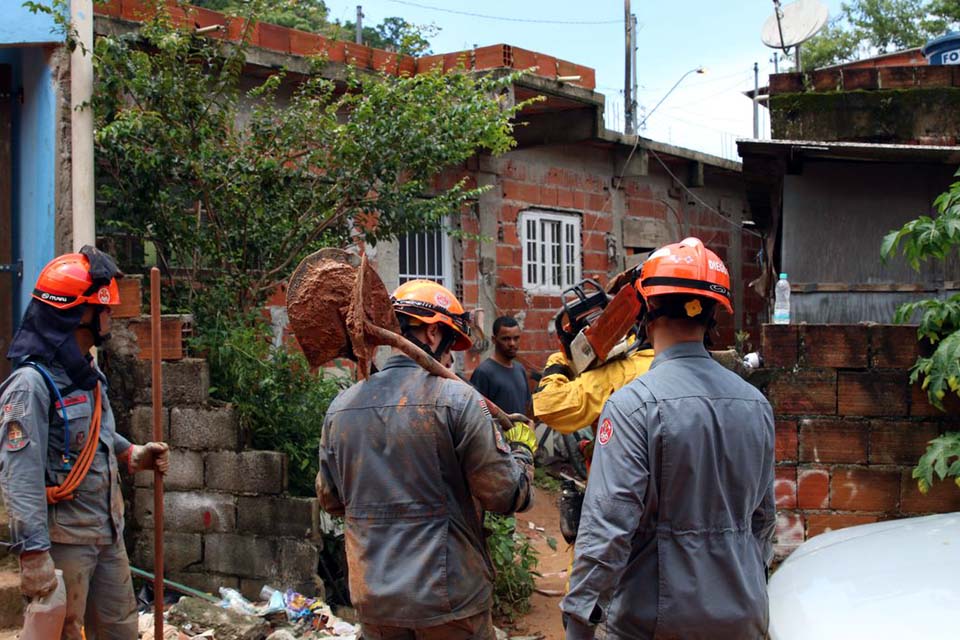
{"x": 84, "y": 535}
{"x": 409, "y": 459}
{"x": 678, "y": 519}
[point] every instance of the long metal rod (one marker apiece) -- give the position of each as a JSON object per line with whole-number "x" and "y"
{"x": 157, "y": 388}
{"x": 756, "y": 101}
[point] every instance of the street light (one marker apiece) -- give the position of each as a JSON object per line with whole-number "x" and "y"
{"x": 697, "y": 70}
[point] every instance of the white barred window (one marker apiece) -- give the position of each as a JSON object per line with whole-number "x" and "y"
{"x": 551, "y": 250}
{"x": 426, "y": 255}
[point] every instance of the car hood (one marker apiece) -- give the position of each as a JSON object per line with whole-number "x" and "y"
{"x": 894, "y": 579}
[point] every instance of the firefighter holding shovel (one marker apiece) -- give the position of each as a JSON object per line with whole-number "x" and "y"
{"x": 60, "y": 453}
{"x": 409, "y": 459}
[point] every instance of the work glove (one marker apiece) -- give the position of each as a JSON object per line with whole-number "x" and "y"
{"x": 522, "y": 433}
{"x": 150, "y": 456}
{"x": 37, "y": 574}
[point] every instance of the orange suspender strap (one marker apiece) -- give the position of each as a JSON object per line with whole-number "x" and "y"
{"x": 84, "y": 460}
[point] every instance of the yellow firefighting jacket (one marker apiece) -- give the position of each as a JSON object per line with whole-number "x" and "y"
{"x": 567, "y": 404}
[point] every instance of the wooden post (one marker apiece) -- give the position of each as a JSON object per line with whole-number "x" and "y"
{"x": 157, "y": 388}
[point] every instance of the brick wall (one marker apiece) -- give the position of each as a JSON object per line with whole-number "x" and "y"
{"x": 850, "y": 428}
{"x": 577, "y": 180}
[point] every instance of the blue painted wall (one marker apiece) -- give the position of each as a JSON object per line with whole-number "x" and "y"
{"x": 19, "y": 26}
{"x": 34, "y": 165}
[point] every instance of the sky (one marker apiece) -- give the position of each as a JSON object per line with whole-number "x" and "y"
{"x": 705, "y": 112}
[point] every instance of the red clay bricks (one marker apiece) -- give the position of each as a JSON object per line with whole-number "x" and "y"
{"x": 872, "y": 393}
{"x": 858, "y": 489}
{"x": 837, "y": 346}
{"x": 833, "y": 441}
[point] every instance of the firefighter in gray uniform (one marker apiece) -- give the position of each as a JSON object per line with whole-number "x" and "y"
{"x": 408, "y": 459}
{"x": 678, "y": 518}
{"x": 60, "y": 453}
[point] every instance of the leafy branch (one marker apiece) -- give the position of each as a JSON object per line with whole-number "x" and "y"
{"x": 925, "y": 238}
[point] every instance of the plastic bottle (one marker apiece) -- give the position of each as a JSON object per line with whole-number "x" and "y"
{"x": 43, "y": 617}
{"x": 781, "y": 304}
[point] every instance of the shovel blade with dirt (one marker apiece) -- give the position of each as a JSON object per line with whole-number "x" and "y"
{"x": 339, "y": 308}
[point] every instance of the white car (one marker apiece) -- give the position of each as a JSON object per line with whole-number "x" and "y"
{"x": 895, "y": 579}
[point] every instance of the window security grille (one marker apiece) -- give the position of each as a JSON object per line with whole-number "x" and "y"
{"x": 551, "y": 250}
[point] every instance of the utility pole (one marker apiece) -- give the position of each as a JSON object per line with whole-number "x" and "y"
{"x": 628, "y": 97}
{"x": 756, "y": 101}
{"x": 633, "y": 71}
{"x": 359, "y": 32}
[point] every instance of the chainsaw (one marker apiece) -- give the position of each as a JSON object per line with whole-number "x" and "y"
{"x": 592, "y": 326}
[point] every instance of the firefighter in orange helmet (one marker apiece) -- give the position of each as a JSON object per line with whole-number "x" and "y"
{"x": 405, "y": 458}
{"x": 678, "y": 518}
{"x": 60, "y": 452}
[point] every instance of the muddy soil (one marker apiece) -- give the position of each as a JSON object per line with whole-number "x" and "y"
{"x": 544, "y": 616}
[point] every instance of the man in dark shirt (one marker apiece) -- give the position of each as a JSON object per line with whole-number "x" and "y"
{"x": 499, "y": 377}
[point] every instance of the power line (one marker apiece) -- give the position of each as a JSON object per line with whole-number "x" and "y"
{"x": 700, "y": 200}
{"x": 505, "y": 18}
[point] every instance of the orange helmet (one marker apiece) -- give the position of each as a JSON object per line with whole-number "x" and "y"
{"x": 66, "y": 283}
{"x": 686, "y": 267}
{"x": 431, "y": 303}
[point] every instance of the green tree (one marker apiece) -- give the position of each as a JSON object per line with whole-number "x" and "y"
{"x": 869, "y": 27}
{"x": 237, "y": 207}
{"x": 934, "y": 238}
{"x": 230, "y": 187}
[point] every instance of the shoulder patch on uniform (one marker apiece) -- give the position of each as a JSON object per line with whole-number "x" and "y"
{"x": 16, "y": 439}
{"x": 14, "y": 410}
{"x": 484, "y": 408}
{"x": 605, "y": 432}
{"x": 501, "y": 441}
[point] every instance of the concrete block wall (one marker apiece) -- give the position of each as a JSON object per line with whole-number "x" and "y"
{"x": 850, "y": 428}
{"x": 228, "y": 520}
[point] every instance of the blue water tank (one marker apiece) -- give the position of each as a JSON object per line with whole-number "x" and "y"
{"x": 943, "y": 50}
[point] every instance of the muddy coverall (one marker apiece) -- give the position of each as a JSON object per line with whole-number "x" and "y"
{"x": 84, "y": 535}
{"x": 567, "y": 403}
{"x": 410, "y": 460}
{"x": 678, "y": 518}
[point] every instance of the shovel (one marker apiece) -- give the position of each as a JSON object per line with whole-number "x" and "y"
{"x": 339, "y": 308}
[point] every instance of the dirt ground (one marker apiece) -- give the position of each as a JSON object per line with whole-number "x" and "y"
{"x": 544, "y": 616}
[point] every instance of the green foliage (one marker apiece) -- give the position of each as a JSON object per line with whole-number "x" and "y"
{"x": 279, "y": 402}
{"x": 393, "y": 34}
{"x": 230, "y": 187}
{"x": 869, "y": 27}
{"x": 545, "y": 481}
{"x": 919, "y": 240}
{"x": 236, "y": 208}
{"x": 943, "y": 458}
{"x": 515, "y": 562}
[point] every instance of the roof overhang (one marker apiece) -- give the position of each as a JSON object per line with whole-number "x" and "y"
{"x": 793, "y": 151}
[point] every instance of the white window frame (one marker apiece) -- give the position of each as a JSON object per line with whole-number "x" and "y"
{"x": 550, "y": 265}
{"x": 433, "y": 240}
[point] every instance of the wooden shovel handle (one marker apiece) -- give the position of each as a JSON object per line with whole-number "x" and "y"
{"x": 418, "y": 355}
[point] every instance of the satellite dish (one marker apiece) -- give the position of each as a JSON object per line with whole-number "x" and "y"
{"x": 793, "y": 24}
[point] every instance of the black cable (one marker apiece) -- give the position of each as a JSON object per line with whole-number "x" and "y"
{"x": 503, "y": 18}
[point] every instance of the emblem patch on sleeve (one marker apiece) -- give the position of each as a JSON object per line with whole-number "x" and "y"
{"x": 16, "y": 439}
{"x": 501, "y": 441}
{"x": 605, "y": 432}
{"x": 14, "y": 410}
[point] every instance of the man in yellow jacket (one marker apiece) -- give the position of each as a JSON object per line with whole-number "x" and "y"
{"x": 568, "y": 403}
